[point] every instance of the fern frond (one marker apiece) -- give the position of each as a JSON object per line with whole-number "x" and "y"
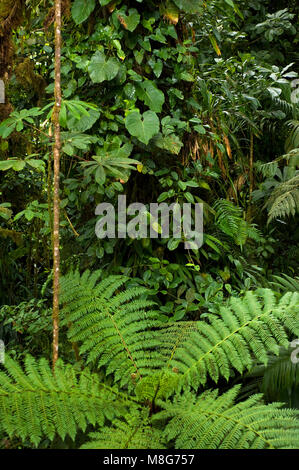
{"x": 286, "y": 283}
{"x": 134, "y": 431}
{"x": 133, "y": 344}
{"x": 284, "y": 199}
{"x": 292, "y": 141}
{"x": 35, "y": 403}
{"x": 215, "y": 422}
{"x": 115, "y": 327}
{"x": 245, "y": 329}
{"x": 229, "y": 219}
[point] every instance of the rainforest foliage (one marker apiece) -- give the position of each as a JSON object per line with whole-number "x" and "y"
{"x": 170, "y": 101}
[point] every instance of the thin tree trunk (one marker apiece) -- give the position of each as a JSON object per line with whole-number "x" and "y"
{"x": 251, "y": 181}
{"x": 56, "y": 153}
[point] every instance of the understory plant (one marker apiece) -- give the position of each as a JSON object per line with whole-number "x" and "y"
{"x": 141, "y": 382}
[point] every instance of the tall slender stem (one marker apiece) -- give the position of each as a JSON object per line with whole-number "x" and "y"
{"x": 56, "y": 154}
{"x": 251, "y": 180}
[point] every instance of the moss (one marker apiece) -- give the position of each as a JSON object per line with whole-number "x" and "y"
{"x": 26, "y": 76}
{"x": 11, "y": 13}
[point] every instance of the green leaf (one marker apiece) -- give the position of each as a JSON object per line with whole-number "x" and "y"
{"x": 101, "y": 69}
{"x": 18, "y": 165}
{"x": 62, "y": 115}
{"x": 200, "y": 129}
{"x": 144, "y": 127}
{"x": 6, "y": 165}
{"x": 170, "y": 142}
{"x": 173, "y": 243}
{"x": 84, "y": 123}
{"x": 157, "y": 68}
{"x": 130, "y": 21}
{"x": 189, "y": 197}
{"x": 100, "y": 175}
{"x": 189, "y": 6}
{"x": 38, "y": 164}
{"x": 162, "y": 197}
{"x": 15, "y": 164}
{"x": 81, "y": 10}
{"x": 151, "y": 96}
{"x": 230, "y": 2}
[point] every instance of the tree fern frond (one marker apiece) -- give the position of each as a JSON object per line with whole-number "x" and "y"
{"x": 215, "y": 422}
{"x": 284, "y": 199}
{"x": 35, "y": 403}
{"x": 229, "y": 219}
{"x": 245, "y": 329}
{"x": 116, "y": 328}
{"x": 134, "y": 431}
{"x": 136, "y": 345}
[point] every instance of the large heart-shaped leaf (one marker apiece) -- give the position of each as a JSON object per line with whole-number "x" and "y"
{"x": 130, "y": 21}
{"x": 81, "y": 10}
{"x": 101, "y": 69}
{"x": 144, "y": 126}
{"x": 152, "y": 97}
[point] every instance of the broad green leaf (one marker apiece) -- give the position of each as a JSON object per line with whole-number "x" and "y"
{"x": 38, "y": 164}
{"x": 157, "y": 68}
{"x": 101, "y": 69}
{"x": 5, "y": 165}
{"x": 152, "y": 97}
{"x": 114, "y": 151}
{"x": 13, "y": 163}
{"x": 130, "y": 21}
{"x": 144, "y": 127}
{"x": 200, "y": 129}
{"x": 189, "y": 6}
{"x": 100, "y": 175}
{"x": 18, "y": 165}
{"x": 170, "y": 142}
{"x": 81, "y": 10}
{"x": 85, "y": 122}
{"x": 6, "y": 128}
